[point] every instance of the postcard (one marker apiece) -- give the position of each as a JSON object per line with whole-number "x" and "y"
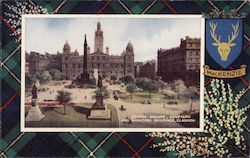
{"x": 89, "y": 73}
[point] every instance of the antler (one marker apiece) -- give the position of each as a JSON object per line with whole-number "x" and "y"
{"x": 212, "y": 32}
{"x": 234, "y": 33}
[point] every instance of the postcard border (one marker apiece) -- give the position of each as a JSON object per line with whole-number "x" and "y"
{"x": 92, "y": 129}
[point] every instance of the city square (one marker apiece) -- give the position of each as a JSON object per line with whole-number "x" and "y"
{"x": 101, "y": 90}
{"x": 84, "y": 98}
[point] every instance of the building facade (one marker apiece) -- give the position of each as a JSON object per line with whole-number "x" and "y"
{"x": 148, "y": 69}
{"x": 182, "y": 62}
{"x": 137, "y": 69}
{"x": 70, "y": 63}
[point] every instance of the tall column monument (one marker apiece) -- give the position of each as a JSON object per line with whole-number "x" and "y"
{"x": 85, "y": 74}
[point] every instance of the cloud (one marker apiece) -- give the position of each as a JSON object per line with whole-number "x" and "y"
{"x": 147, "y": 35}
{"x": 166, "y": 38}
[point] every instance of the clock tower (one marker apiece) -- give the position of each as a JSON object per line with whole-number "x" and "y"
{"x": 98, "y": 47}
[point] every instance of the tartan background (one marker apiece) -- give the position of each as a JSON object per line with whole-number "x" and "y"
{"x": 13, "y": 143}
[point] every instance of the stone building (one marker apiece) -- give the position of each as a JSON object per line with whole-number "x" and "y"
{"x": 182, "y": 62}
{"x": 148, "y": 69}
{"x": 137, "y": 69}
{"x": 70, "y": 63}
{"x": 27, "y": 67}
{"x": 112, "y": 65}
{"x": 37, "y": 62}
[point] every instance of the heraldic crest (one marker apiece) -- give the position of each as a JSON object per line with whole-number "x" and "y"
{"x": 224, "y": 38}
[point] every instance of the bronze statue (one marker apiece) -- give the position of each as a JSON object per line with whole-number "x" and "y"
{"x": 99, "y": 84}
{"x": 34, "y": 92}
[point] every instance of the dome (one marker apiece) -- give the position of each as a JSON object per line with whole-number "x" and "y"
{"x": 66, "y": 47}
{"x": 130, "y": 47}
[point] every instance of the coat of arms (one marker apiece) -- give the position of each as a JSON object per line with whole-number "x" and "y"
{"x": 224, "y": 38}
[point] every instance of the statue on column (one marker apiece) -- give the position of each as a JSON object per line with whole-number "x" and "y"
{"x": 34, "y": 113}
{"x": 99, "y": 84}
{"x": 34, "y": 95}
{"x": 34, "y": 92}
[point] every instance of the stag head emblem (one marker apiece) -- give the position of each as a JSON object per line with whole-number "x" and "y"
{"x": 224, "y": 48}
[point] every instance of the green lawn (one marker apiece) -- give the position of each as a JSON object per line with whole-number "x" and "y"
{"x": 138, "y": 97}
{"x": 76, "y": 116}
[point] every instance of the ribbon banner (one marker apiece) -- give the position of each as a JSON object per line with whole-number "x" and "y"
{"x": 225, "y": 73}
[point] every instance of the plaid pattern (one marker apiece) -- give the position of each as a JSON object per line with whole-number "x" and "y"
{"x": 13, "y": 143}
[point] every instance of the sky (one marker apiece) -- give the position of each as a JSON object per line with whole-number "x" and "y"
{"x": 147, "y": 35}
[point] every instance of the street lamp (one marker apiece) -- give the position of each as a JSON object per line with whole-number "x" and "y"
{"x": 149, "y": 88}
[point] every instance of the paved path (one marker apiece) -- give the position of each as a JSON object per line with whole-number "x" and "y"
{"x": 136, "y": 109}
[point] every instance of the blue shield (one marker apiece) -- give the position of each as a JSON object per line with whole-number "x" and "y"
{"x": 224, "y": 39}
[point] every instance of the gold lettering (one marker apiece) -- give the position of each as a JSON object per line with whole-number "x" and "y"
{"x": 225, "y": 73}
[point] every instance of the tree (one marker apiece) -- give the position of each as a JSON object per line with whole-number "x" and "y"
{"x": 191, "y": 93}
{"x": 148, "y": 84}
{"x": 127, "y": 79}
{"x": 179, "y": 87}
{"x": 64, "y": 98}
{"x": 162, "y": 85}
{"x": 131, "y": 89}
{"x": 56, "y": 74}
{"x": 113, "y": 78}
{"x": 45, "y": 77}
{"x": 153, "y": 85}
{"x": 29, "y": 81}
{"x": 142, "y": 83}
{"x": 93, "y": 81}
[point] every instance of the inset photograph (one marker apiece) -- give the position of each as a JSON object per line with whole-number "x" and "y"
{"x": 112, "y": 73}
